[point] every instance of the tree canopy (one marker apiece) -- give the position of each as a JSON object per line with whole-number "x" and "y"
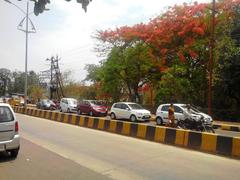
{"x": 177, "y": 47}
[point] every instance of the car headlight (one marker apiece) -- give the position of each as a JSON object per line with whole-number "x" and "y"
{"x": 139, "y": 114}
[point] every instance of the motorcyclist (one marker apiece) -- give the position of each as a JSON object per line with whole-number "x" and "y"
{"x": 188, "y": 114}
{"x": 188, "y": 118}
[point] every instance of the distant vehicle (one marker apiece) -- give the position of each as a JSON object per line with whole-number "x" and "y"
{"x": 179, "y": 109}
{"x": 68, "y": 105}
{"x": 14, "y": 101}
{"x": 46, "y": 104}
{"x": 21, "y": 101}
{"x": 92, "y": 107}
{"x": 9, "y": 137}
{"x": 129, "y": 110}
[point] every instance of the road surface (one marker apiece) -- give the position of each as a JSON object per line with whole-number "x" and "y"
{"x": 69, "y": 152}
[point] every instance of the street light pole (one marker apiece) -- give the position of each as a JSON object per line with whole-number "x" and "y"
{"x": 26, "y": 58}
{"x": 26, "y": 31}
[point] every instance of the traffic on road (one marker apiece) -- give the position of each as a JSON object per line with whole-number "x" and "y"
{"x": 185, "y": 116}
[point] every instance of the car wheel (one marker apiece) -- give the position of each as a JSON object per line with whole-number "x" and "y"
{"x": 133, "y": 118}
{"x": 68, "y": 110}
{"x": 79, "y": 112}
{"x": 14, "y": 153}
{"x": 90, "y": 113}
{"x": 159, "y": 121}
{"x": 113, "y": 116}
{"x": 60, "y": 109}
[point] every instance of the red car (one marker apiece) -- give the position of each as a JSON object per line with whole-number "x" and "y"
{"x": 92, "y": 108}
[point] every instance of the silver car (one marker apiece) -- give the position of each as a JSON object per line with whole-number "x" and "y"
{"x": 9, "y": 137}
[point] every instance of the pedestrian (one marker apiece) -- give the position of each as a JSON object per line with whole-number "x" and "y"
{"x": 171, "y": 117}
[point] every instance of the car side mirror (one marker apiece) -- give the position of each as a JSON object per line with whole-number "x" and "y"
{"x": 128, "y": 109}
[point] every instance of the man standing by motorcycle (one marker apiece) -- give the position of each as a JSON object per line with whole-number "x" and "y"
{"x": 171, "y": 117}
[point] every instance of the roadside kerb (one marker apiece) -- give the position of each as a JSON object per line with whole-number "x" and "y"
{"x": 206, "y": 142}
{"x": 227, "y": 127}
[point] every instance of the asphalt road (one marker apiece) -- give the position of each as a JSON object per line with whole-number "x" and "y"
{"x": 37, "y": 163}
{"x": 54, "y": 150}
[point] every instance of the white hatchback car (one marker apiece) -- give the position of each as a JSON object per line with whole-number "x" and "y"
{"x": 129, "y": 110}
{"x": 9, "y": 137}
{"x": 179, "y": 109}
{"x": 68, "y": 105}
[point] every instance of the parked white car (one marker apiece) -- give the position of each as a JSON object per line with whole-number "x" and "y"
{"x": 179, "y": 113}
{"x": 68, "y": 105}
{"x": 129, "y": 110}
{"x": 9, "y": 137}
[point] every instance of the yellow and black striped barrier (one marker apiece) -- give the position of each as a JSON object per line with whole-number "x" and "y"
{"x": 207, "y": 142}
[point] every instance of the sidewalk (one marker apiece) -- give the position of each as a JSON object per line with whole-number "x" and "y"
{"x": 227, "y": 123}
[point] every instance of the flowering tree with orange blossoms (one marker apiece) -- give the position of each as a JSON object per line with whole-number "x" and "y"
{"x": 175, "y": 33}
{"x": 180, "y": 36}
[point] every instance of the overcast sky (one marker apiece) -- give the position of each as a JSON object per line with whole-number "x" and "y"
{"x": 66, "y": 30}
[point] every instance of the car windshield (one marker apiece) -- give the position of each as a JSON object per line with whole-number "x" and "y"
{"x": 98, "y": 103}
{"x": 5, "y": 114}
{"x": 73, "y": 102}
{"x": 135, "y": 106}
{"x": 193, "y": 109}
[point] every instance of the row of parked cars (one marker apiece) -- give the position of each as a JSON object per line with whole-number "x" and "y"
{"x": 122, "y": 110}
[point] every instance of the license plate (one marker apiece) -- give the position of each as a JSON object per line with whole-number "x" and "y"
{"x": 2, "y": 147}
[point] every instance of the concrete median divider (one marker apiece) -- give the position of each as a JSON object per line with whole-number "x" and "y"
{"x": 206, "y": 142}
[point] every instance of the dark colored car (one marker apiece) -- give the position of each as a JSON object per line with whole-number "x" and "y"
{"x": 92, "y": 108}
{"x": 46, "y": 104}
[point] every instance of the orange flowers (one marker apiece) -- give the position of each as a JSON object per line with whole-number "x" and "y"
{"x": 174, "y": 32}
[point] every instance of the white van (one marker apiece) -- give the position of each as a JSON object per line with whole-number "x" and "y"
{"x": 68, "y": 105}
{"x": 9, "y": 137}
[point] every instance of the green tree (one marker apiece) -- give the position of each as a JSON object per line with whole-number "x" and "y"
{"x": 174, "y": 86}
{"x": 18, "y": 82}
{"x": 93, "y": 72}
{"x": 123, "y": 70}
{"x": 5, "y": 81}
{"x": 36, "y": 93}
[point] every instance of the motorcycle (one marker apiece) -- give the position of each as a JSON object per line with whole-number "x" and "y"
{"x": 197, "y": 125}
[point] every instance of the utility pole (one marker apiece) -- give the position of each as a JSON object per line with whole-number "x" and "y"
{"x": 51, "y": 76}
{"x": 211, "y": 54}
{"x": 26, "y": 31}
{"x": 26, "y": 58}
{"x": 56, "y": 84}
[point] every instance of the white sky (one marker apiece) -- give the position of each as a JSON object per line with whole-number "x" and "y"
{"x": 66, "y": 30}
